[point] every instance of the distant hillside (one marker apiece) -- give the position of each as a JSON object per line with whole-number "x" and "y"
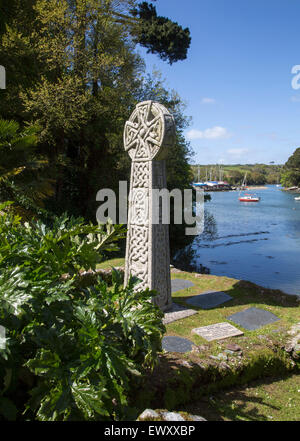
{"x": 257, "y": 174}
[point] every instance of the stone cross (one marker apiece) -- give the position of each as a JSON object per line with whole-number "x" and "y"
{"x": 148, "y": 135}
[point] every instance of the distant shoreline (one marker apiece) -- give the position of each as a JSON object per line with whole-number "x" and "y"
{"x": 292, "y": 189}
{"x": 257, "y": 187}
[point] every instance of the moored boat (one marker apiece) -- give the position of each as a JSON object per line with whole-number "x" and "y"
{"x": 249, "y": 198}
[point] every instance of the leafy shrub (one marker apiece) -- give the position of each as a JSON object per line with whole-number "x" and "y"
{"x": 70, "y": 353}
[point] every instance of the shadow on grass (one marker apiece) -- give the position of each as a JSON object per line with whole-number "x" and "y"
{"x": 245, "y": 293}
{"x": 238, "y": 403}
{"x": 207, "y": 390}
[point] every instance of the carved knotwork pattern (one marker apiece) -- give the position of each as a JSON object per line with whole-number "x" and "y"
{"x": 139, "y": 206}
{"x": 144, "y": 132}
{"x": 141, "y": 177}
{"x": 138, "y": 255}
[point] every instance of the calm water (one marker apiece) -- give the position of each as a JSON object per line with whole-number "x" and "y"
{"x": 259, "y": 242}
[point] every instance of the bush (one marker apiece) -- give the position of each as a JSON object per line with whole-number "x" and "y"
{"x": 70, "y": 353}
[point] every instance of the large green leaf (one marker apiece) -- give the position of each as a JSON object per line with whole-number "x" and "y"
{"x": 90, "y": 399}
{"x": 13, "y": 291}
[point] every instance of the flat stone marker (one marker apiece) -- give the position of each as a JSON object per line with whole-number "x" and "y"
{"x": 176, "y": 344}
{"x": 177, "y": 312}
{"x": 253, "y": 318}
{"x": 219, "y": 331}
{"x": 179, "y": 284}
{"x": 209, "y": 299}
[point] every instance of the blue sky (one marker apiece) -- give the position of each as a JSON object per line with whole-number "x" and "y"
{"x": 237, "y": 80}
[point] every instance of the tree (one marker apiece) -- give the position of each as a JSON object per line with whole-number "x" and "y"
{"x": 23, "y": 172}
{"x": 38, "y": 37}
{"x": 234, "y": 177}
{"x": 256, "y": 178}
{"x": 79, "y": 78}
{"x": 77, "y": 73}
{"x": 290, "y": 178}
{"x": 294, "y": 161}
{"x": 291, "y": 172}
{"x": 160, "y": 35}
{"x": 19, "y": 56}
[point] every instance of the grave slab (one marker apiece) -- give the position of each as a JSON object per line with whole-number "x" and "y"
{"x": 177, "y": 312}
{"x": 218, "y": 331}
{"x": 177, "y": 344}
{"x": 179, "y": 284}
{"x": 209, "y": 299}
{"x": 253, "y": 318}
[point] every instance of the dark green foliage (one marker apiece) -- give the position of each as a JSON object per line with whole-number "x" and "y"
{"x": 290, "y": 178}
{"x": 24, "y": 174}
{"x": 70, "y": 353}
{"x": 11, "y": 9}
{"x": 160, "y": 35}
{"x": 75, "y": 74}
{"x": 5, "y": 14}
{"x": 291, "y": 174}
{"x": 294, "y": 160}
{"x": 79, "y": 84}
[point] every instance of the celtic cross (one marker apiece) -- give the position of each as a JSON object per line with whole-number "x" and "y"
{"x": 148, "y": 135}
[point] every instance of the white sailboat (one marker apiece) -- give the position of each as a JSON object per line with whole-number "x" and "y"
{"x": 247, "y": 197}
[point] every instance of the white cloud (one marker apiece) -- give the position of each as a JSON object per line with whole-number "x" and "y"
{"x": 208, "y": 101}
{"x": 213, "y": 133}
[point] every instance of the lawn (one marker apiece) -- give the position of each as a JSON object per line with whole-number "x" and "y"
{"x": 276, "y": 399}
{"x": 245, "y": 295}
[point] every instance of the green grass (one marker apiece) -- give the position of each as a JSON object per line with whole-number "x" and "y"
{"x": 119, "y": 261}
{"x": 275, "y": 399}
{"x": 245, "y": 295}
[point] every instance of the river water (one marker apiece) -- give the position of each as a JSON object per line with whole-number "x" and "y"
{"x": 259, "y": 242}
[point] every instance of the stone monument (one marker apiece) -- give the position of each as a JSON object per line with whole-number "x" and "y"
{"x": 148, "y": 135}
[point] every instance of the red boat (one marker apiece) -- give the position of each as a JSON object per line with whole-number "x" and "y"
{"x": 249, "y": 198}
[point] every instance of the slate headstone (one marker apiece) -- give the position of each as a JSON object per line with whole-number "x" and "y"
{"x": 218, "y": 331}
{"x": 179, "y": 284}
{"x": 209, "y": 299}
{"x": 177, "y": 344}
{"x": 177, "y": 312}
{"x": 253, "y": 318}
